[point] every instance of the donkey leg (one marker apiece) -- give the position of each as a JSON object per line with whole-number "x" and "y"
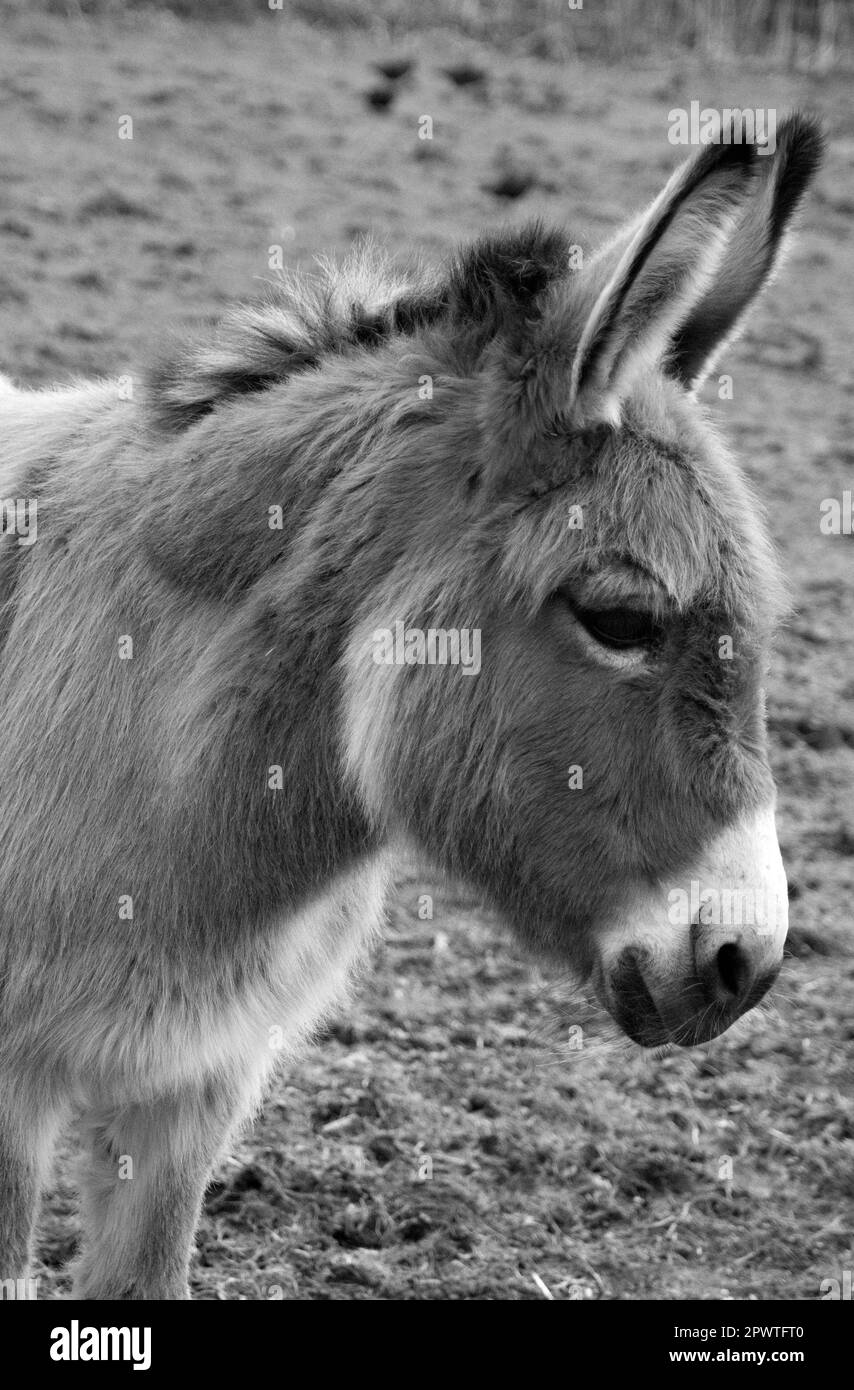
{"x": 142, "y": 1189}
{"x": 28, "y": 1129}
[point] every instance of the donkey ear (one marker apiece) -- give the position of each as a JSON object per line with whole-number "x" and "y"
{"x": 641, "y": 288}
{"x": 753, "y": 252}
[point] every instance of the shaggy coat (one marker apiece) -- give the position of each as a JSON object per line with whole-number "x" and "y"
{"x": 207, "y": 772}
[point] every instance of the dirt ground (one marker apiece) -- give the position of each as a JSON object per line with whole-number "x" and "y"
{"x": 444, "y": 1139}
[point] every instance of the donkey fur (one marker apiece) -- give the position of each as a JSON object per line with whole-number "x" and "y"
{"x": 149, "y": 777}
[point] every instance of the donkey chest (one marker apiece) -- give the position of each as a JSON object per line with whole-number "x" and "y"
{"x": 288, "y": 982}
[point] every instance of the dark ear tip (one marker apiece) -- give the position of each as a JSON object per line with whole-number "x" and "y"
{"x": 744, "y": 152}
{"x": 729, "y": 154}
{"x": 801, "y": 143}
{"x": 803, "y": 137}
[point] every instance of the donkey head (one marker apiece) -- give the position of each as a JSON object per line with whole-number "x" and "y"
{"x": 603, "y": 778}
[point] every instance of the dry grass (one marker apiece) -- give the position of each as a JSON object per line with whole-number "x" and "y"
{"x": 811, "y": 33}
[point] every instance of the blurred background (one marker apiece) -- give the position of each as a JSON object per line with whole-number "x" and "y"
{"x": 447, "y": 1138}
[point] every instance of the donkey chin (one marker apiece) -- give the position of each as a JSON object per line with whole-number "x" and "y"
{"x": 684, "y": 958}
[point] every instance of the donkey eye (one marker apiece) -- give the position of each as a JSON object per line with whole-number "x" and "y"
{"x": 620, "y": 627}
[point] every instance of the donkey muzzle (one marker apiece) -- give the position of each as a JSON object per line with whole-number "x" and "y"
{"x": 691, "y": 955}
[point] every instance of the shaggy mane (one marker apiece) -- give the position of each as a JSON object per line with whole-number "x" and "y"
{"x": 357, "y": 305}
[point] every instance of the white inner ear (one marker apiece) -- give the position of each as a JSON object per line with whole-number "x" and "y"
{"x": 645, "y": 350}
{"x": 679, "y": 273}
{"x": 659, "y": 270}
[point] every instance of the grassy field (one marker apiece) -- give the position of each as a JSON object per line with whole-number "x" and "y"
{"x": 445, "y": 1139}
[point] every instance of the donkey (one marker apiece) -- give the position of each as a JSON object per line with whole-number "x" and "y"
{"x": 212, "y": 759}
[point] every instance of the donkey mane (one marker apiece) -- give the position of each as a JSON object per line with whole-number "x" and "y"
{"x": 358, "y": 305}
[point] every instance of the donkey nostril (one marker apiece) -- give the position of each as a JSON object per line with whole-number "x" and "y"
{"x": 734, "y": 970}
